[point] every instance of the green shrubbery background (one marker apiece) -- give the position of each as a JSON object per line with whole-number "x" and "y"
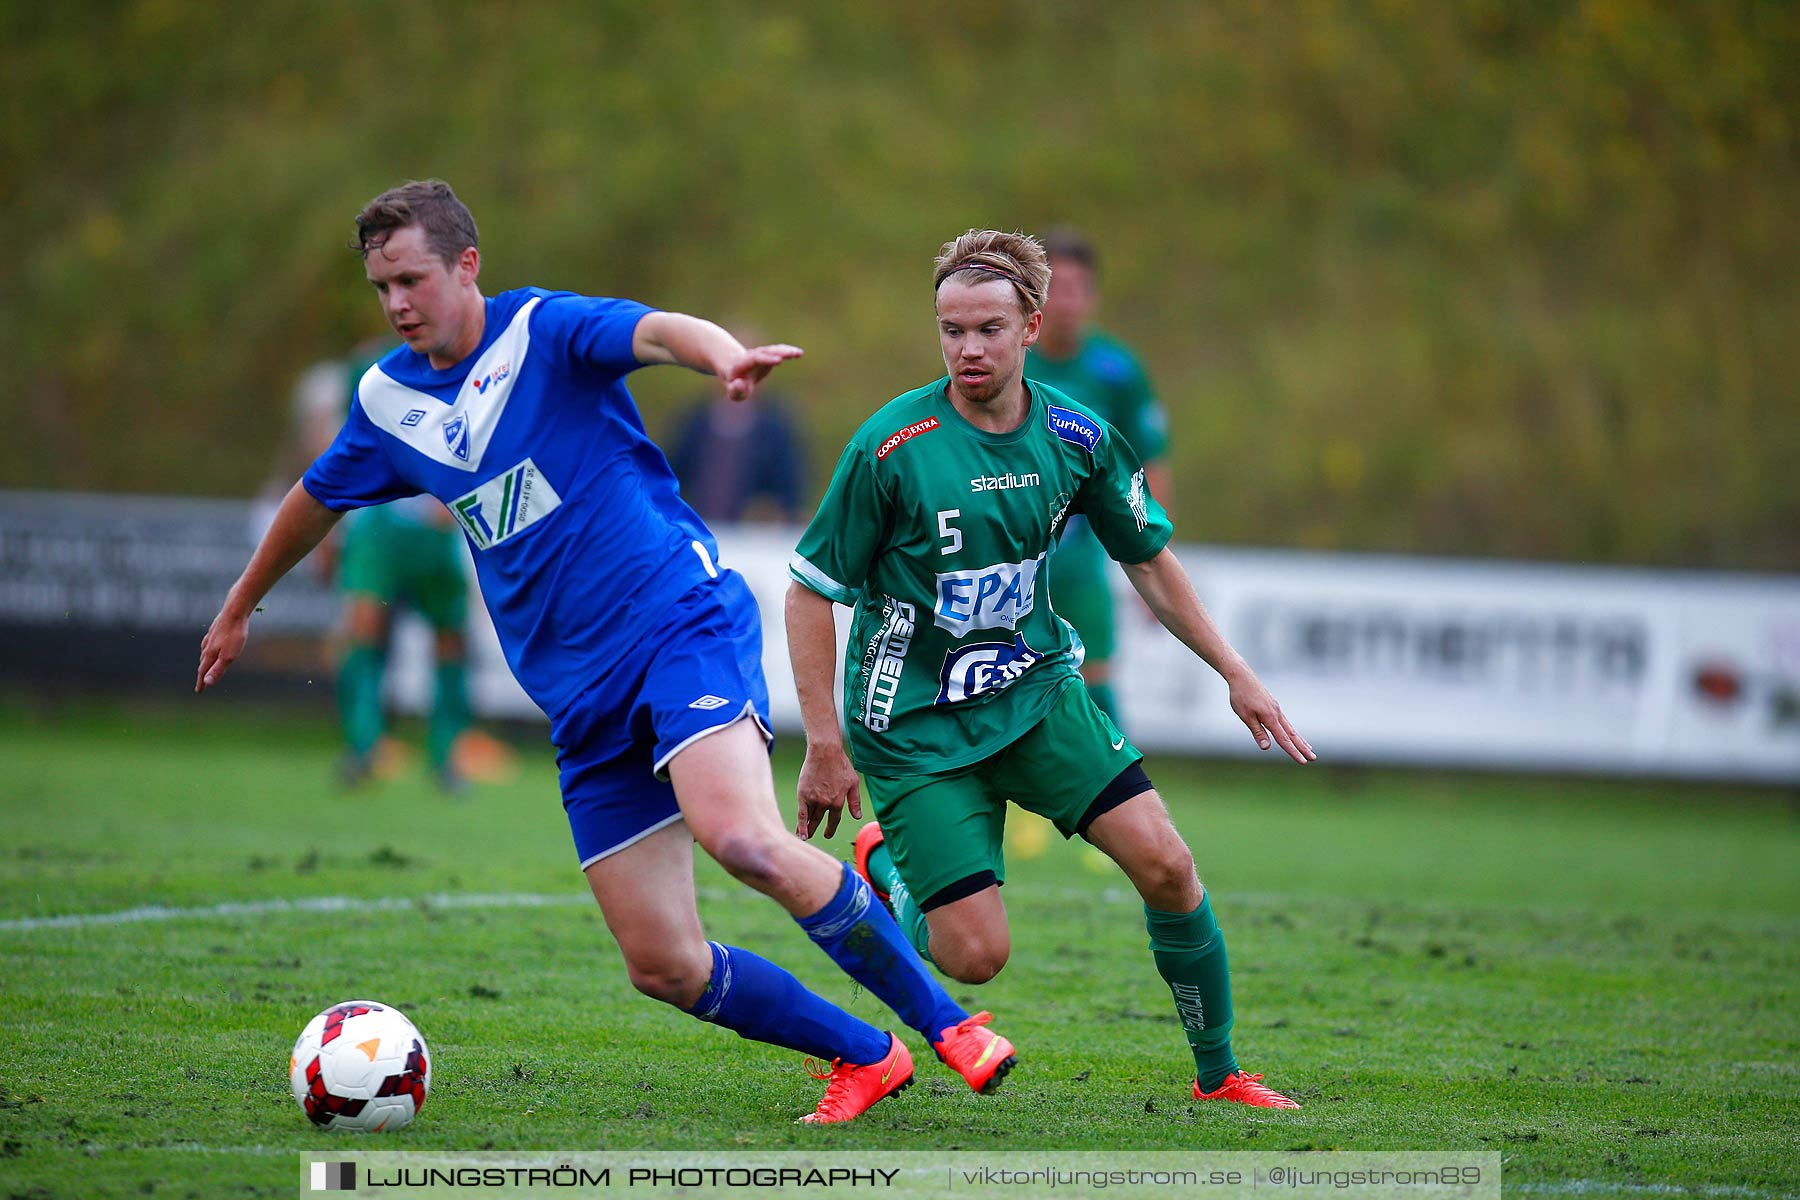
{"x": 1464, "y": 278}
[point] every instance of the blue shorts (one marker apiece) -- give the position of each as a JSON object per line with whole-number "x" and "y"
{"x": 699, "y": 670}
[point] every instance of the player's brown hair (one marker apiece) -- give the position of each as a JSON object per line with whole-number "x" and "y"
{"x": 1069, "y": 244}
{"x": 448, "y": 225}
{"x": 983, "y": 254}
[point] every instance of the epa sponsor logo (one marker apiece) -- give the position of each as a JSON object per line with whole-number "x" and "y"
{"x": 1072, "y": 426}
{"x": 994, "y": 597}
{"x": 975, "y": 670}
{"x": 905, "y": 435}
{"x": 883, "y": 662}
{"x": 1001, "y": 483}
{"x": 505, "y": 505}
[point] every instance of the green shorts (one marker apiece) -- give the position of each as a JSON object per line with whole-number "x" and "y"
{"x": 946, "y": 831}
{"x": 1081, "y": 591}
{"x": 397, "y": 560}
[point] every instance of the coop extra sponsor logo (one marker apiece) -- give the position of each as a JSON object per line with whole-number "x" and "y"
{"x": 883, "y": 662}
{"x": 905, "y": 435}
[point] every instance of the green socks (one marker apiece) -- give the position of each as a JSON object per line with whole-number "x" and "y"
{"x": 1190, "y": 955}
{"x": 906, "y": 912}
{"x": 449, "y": 713}
{"x": 359, "y": 698}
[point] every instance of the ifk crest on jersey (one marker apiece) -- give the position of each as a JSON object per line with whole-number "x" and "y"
{"x": 456, "y": 436}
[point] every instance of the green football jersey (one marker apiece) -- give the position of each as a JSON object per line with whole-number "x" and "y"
{"x": 1106, "y": 377}
{"x": 937, "y": 534}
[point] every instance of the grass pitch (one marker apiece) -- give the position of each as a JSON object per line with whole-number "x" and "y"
{"x": 1600, "y": 980}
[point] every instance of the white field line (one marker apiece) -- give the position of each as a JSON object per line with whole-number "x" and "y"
{"x": 309, "y": 905}
{"x": 327, "y": 905}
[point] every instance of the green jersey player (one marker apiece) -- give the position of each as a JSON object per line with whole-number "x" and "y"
{"x": 1102, "y": 374}
{"x": 962, "y": 685}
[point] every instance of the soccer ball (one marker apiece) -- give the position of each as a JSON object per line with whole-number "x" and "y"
{"x": 360, "y": 1065}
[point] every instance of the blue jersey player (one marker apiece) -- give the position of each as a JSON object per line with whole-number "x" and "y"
{"x": 618, "y": 621}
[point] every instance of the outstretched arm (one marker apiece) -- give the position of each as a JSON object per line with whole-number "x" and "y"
{"x": 1170, "y": 594}
{"x": 300, "y": 524}
{"x": 681, "y": 340}
{"x": 827, "y": 780}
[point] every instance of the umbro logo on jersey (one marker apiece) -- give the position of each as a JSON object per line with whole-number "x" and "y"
{"x": 905, "y": 435}
{"x": 708, "y": 703}
{"x": 413, "y": 418}
{"x": 497, "y": 375}
{"x": 1001, "y": 483}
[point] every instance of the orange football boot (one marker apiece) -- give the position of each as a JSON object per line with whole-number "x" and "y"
{"x": 867, "y": 838}
{"x": 1245, "y": 1089}
{"x": 980, "y": 1056}
{"x": 853, "y": 1090}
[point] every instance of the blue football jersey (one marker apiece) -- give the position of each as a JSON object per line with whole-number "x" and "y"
{"x": 579, "y": 536}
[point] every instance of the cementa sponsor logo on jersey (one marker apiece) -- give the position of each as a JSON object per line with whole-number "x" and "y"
{"x": 984, "y": 667}
{"x": 884, "y": 660}
{"x": 894, "y": 439}
{"x": 1003, "y": 483}
{"x": 993, "y": 597}
{"x": 505, "y": 505}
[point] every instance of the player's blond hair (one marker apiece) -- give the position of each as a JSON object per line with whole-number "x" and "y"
{"x": 984, "y": 254}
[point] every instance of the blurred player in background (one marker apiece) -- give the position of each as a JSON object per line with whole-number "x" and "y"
{"x": 405, "y": 554}
{"x": 1097, "y": 371}
{"x": 618, "y": 621}
{"x": 960, "y": 684}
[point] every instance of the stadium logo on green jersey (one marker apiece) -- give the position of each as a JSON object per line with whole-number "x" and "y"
{"x": 1002, "y": 483}
{"x": 992, "y": 597}
{"x": 505, "y": 505}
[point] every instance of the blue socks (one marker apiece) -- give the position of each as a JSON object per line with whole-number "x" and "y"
{"x": 862, "y": 938}
{"x": 756, "y": 999}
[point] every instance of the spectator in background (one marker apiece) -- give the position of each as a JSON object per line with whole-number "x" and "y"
{"x": 740, "y": 462}
{"x": 1074, "y": 357}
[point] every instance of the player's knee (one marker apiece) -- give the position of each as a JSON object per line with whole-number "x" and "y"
{"x": 676, "y": 979}
{"x": 1167, "y": 881}
{"x": 751, "y": 858}
{"x": 971, "y": 960}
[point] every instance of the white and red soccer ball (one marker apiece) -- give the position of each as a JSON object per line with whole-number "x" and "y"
{"x": 360, "y": 1065}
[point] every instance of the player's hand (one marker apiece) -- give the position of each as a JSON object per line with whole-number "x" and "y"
{"x": 223, "y": 642}
{"x": 1257, "y": 709}
{"x": 827, "y": 783}
{"x": 753, "y": 367}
